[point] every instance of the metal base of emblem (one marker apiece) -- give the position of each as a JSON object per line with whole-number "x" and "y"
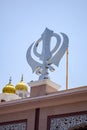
{"x": 44, "y": 77}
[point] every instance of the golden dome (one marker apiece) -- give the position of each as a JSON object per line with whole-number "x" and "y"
{"x": 9, "y": 88}
{"x": 21, "y": 85}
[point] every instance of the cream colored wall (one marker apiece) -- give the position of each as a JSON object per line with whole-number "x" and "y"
{"x": 29, "y": 115}
{"x": 57, "y": 110}
{"x": 53, "y": 104}
{"x": 44, "y": 113}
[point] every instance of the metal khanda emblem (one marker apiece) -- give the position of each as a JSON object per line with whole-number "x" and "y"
{"x": 47, "y": 56}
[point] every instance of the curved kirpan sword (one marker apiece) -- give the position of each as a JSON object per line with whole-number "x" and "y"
{"x": 38, "y": 67}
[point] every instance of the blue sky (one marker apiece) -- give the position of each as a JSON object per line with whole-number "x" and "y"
{"x": 23, "y": 21}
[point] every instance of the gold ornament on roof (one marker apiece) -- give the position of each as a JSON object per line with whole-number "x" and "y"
{"x": 21, "y": 85}
{"x": 9, "y": 88}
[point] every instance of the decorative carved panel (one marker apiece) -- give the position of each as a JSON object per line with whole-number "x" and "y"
{"x": 14, "y": 125}
{"x": 67, "y": 122}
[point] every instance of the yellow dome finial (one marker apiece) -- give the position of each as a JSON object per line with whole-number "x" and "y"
{"x": 21, "y": 85}
{"x": 10, "y": 79}
{"x": 22, "y": 78}
{"x": 9, "y": 88}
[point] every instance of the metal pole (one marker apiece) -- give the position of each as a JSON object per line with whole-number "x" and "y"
{"x": 67, "y": 69}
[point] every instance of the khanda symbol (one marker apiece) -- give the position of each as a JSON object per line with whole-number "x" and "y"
{"x": 47, "y": 56}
